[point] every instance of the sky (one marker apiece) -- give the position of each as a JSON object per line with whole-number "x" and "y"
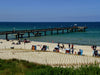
{"x": 49, "y": 10}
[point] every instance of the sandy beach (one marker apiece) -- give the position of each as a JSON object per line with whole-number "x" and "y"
{"x": 24, "y": 51}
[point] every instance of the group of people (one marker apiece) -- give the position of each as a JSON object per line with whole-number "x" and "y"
{"x": 26, "y": 41}
{"x": 62, "y": 47}
{"x": 56, "y": 49}
{"x": 19, "y": 42}
{"x": 71, "y": 47}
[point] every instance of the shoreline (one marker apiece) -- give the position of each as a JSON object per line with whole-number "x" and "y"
{"x": 49, "y": 42}
{"x": 55, "y": 42}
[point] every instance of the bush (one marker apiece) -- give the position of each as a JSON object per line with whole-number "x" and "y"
{"x": 22, "y": 67}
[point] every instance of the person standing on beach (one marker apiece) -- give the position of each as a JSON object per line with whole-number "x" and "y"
{"x": 62, "y": 47}
{"x": 58, "y": 45}
{"x": 72, "y": 46}
{"x": 92, "y": 47}
{"x": 19, "y": 42}
{"x": 72, "y": 50}
{"x": 95, "y": 47}
{"x": 69, "y": 45}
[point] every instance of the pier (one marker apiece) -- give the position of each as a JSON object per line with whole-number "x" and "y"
{"x": 39, "y": 32}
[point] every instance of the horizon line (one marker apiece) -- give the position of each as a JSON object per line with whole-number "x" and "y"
{"x": 50, "y": 21}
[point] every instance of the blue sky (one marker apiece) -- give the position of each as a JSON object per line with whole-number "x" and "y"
{"x": 50, "y": 10}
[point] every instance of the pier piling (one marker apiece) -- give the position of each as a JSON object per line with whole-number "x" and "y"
{"x": 18, "y": 35}
{"x": 45, "y": 33}
{"x": 57, "y": 31}
{"x": 28, "y": 34}
{"x": 6, "y": 36}
{"x": 67, "y": 30}
{"x": 63, "y": 31}
{"x": 51, "y": 32}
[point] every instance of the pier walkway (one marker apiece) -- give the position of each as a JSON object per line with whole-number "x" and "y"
{"x": 38, "y": 32}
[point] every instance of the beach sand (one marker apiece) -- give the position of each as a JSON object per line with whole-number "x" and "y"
{"x": 24, "y": 51}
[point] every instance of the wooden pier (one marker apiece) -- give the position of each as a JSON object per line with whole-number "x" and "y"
{"x": 38, "y": 32}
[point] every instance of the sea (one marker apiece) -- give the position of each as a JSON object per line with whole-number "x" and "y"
{"x": 90, "y": 37}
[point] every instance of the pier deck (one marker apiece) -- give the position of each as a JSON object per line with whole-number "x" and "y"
{"x": 36, "y": 32}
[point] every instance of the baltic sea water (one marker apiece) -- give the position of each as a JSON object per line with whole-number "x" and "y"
{"x": 90, "y": 37}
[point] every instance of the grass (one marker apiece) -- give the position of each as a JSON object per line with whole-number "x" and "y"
{"x": 21, "y": 67}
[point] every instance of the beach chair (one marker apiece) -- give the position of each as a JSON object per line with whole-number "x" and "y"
{"x": 96, "y": 52}
{"x": 33, "y": 47}
{"x": 56, "y": 49}
{"x": 44, "y": 48}
{"x": 67, "y": 51}
{"x": 11, "y": 47}
{"x": 80, "y": 52}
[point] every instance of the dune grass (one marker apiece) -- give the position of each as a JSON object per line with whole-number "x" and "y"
{"x": 21, "y": 67}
